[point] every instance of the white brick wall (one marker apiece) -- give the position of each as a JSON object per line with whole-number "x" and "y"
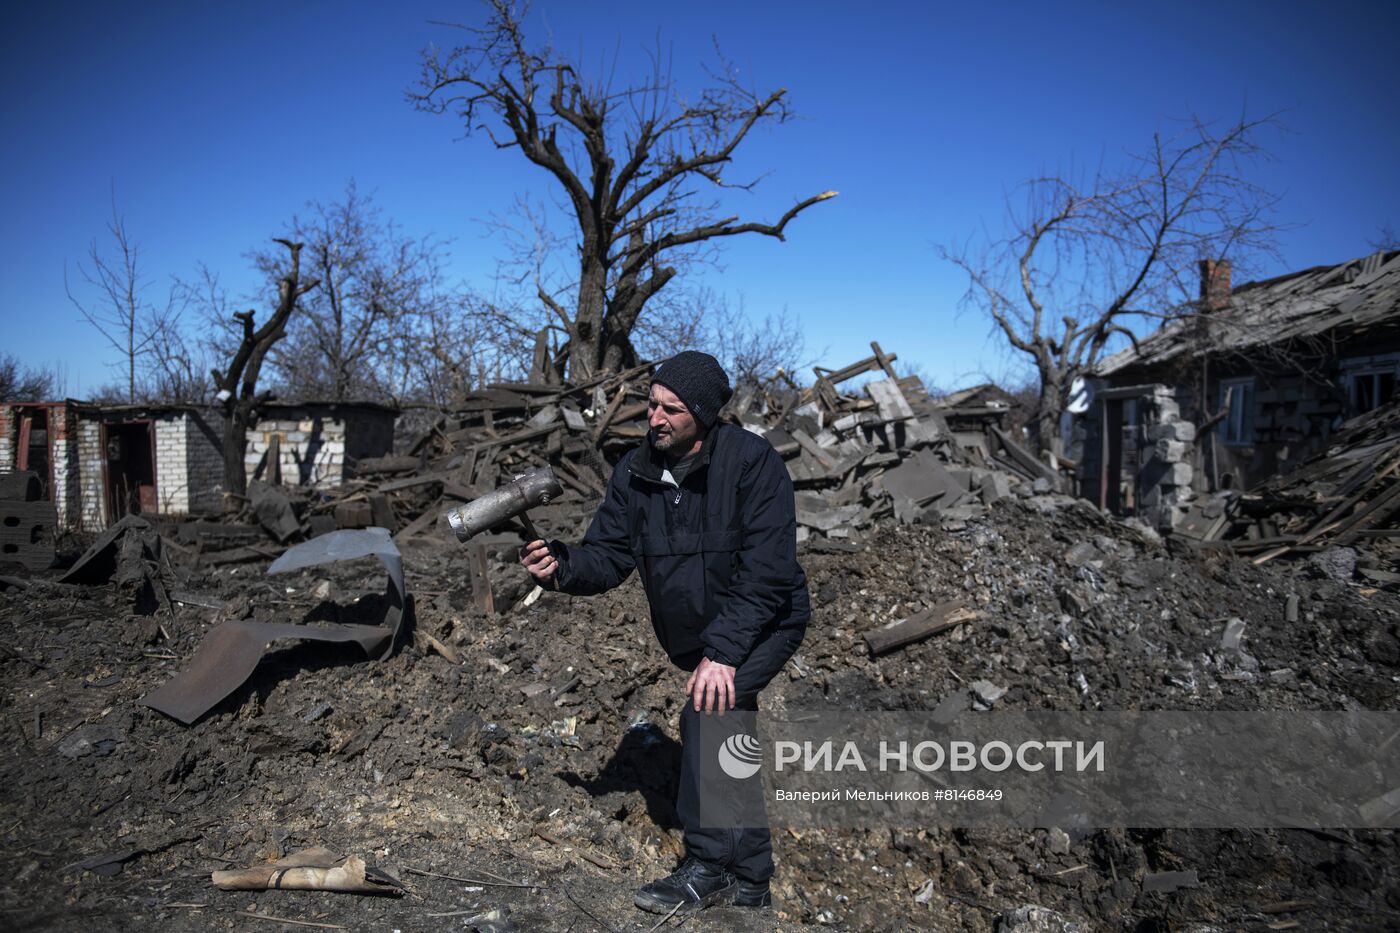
{"x": 312, "y": 451}
{"x": 9, "y": 425}
{"x": 172, "y": 474}
{"x": 62, "y": 464}
{"x": 92, "y": 514}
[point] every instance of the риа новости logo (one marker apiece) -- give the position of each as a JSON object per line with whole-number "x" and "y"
{"x": 740, "y": 756}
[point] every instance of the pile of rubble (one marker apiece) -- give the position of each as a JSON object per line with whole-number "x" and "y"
{"x": 854, "y": 457}
{"x": 1347, "y": 496}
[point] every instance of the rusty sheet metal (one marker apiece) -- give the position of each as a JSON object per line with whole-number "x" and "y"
{"x": 229, "y": 653}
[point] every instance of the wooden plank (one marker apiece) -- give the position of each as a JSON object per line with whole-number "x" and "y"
{"x": 274, "y": 459}
{"x": 611, "y": 412}
{"x": 421, "y": 523}
{"x": 410, "y": 482}
{"x": 510, "y": 439}
{"x": 1022, "y": 456}
{"x": 581, "y": 480}
{"x": 921, "y": 625}
{"x": 811, "y": 446}
{"x": 381, "y": 510}
{"x": 835, "y": 377}
{"x": 480, "y": 580}
{"x": 1377, "y": 511}
{"x": 884, "y": 361}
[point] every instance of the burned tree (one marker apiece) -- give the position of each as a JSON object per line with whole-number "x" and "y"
{"x": 238, "y": 383}
{"x": 1083, "y": 263}
{"x": 628, "y": 161}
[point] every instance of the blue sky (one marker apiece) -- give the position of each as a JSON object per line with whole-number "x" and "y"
{"x": 217, "y": 122}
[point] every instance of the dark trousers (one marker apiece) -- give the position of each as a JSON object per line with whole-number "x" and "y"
{"x": 746, "y": 850}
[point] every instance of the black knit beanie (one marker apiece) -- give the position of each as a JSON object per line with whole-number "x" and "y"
{"x": 699, "y": 381}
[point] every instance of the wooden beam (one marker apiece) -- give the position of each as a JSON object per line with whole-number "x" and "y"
{"x": 921, "y": 625}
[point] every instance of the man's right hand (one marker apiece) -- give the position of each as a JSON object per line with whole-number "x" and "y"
{"x": 536, "y": 558}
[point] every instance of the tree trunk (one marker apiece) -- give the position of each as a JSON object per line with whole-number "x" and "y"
{"x": 586, "y": 343}
{"x": 235, "y": 445}
{"x": 1048, "y": 419}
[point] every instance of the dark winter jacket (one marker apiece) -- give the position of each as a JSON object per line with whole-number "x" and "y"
{"x": 717, "y": 555}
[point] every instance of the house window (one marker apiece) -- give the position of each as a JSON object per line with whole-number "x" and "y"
{"x": 1237, "y": 427}
{"x": 1370, "y": 387}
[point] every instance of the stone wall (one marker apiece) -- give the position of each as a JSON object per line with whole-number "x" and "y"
{"x": 1165, "y": 481}
{"x": 1156, "y": 455}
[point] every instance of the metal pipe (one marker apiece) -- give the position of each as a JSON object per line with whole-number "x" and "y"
{"x": 535, "y": 487}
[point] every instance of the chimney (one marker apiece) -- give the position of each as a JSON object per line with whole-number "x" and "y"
{"x": 1215, "y": 284}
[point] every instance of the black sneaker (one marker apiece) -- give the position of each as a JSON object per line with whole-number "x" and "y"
{"x": 752, "y": 894}
{"x": 695, "y": 885}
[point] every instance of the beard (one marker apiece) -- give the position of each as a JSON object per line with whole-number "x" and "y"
{"x": 662, "y": 442}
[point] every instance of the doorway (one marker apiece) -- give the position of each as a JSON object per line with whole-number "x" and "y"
{"x": 131, "y": 469}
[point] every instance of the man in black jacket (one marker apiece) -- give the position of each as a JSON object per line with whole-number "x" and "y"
{"x": 704, "y": 512}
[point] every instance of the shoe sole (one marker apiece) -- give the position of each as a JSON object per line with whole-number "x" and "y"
{"x": 655, "y": 905}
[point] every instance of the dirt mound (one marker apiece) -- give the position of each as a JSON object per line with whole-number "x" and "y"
{"x": 536, "y": 773}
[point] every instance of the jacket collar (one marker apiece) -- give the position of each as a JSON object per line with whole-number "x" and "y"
{"x": 649, "y": 463}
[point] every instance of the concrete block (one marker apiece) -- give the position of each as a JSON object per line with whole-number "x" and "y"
{"x": 1170, "y": 450}
{"x": 1183, "y": 431}
{"x": 995, "y": 485}
{"x": 1178, "y": 474}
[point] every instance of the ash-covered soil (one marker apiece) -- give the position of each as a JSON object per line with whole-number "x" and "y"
{"x": 546, "y": 759}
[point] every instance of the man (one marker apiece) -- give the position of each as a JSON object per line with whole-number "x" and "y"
{"x": 704, "y": 512}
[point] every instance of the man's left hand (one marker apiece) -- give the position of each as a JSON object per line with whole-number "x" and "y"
{"x": 711, "y": 687}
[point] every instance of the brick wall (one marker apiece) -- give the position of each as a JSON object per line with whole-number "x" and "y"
{"x": 92, "y": 514}
{"x": 7, "y": 443}
{"x": 63, "y": 447}
{"x": 204, "y": 460}
{"x": 172, "y": 477}
{"x": 312, "y": 448}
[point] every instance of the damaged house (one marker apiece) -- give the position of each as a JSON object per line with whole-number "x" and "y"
{"x": 96, "y": 463}
{"x": 1252, "y": 382}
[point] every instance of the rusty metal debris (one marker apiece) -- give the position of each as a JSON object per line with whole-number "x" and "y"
{"x": 229, "y": 653}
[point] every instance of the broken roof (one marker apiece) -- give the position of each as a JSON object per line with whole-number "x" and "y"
{"x": 1350, "y": 298}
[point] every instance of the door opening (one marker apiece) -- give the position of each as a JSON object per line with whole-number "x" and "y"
{"x": 131, "y": 471}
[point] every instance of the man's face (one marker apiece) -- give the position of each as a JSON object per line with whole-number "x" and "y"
{"x": 674, "y": 430}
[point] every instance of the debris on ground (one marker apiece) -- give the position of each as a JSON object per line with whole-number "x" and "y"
{"x": 314, "y": 869}
{"x": 516, "y": 750}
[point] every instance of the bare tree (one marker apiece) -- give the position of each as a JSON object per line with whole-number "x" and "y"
{"x": 628, "y": 163}
{"x": 1387, "y": 239}
{"x": 751, "y": 350}
{"x": 1082, "y": 263}
{"x": 377, "y": 284}
{"x": 19, "y": 383}
{"x": 238, "y": 383}
{"x": 118, "y": 308}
